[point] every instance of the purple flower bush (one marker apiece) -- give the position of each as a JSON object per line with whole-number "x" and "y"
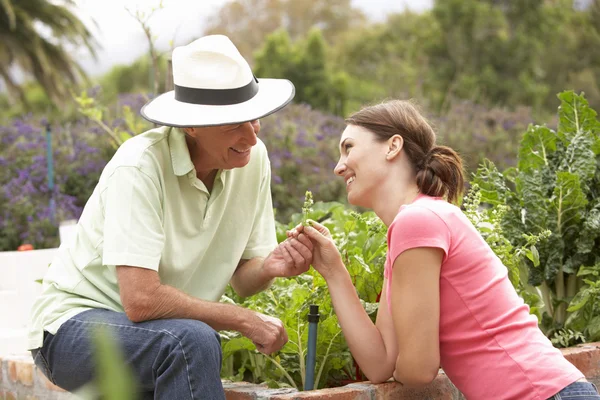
{"x": 477, "y": 132}
{"x": 26, "y": 214}
{"x": 302, "y": 144}
{"x": 303, "y": 149}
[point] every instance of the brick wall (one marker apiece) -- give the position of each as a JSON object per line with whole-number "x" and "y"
{"x": 20, "y": 379}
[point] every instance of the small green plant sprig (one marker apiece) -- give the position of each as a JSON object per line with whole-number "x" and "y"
{"x": 307, "y": 207}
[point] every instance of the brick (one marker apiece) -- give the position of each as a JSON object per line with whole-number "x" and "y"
{"x": 25, "y": 373}
{"x": 341, "y": 393}
{"x": 40, "y": 381}
{"x": 440, "y": 389}
{"x": 242, "y": 385}
{"x": 241, "y": 393}
{"x": 12, "y": 371}
{"x": 585, "y": 357}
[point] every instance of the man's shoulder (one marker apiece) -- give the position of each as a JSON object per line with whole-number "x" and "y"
{"x": 133, "y": 152}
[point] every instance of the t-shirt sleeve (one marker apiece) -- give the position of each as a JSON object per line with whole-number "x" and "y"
{"x": 263, "y": 238}
{"x": 133, "y": 220}
{"x": 416, "y": 226}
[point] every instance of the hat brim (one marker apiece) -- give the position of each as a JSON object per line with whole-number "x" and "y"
{"x": 273, "y": 95}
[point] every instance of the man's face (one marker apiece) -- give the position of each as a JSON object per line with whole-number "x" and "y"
{"x": 223, "y": 147}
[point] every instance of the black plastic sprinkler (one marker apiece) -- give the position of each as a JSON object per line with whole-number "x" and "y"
{"x": 313, "y": 322}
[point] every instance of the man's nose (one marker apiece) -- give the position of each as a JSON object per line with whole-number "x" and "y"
{"x": 250, "y": 131}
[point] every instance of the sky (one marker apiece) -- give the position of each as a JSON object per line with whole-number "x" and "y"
{"x": 122, "y": 40}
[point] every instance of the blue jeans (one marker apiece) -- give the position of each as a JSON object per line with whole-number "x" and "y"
{"x": 578, "y": 391}
{"x": 171, "y": 358}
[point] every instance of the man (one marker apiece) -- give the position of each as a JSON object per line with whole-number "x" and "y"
{"x": 179, "y": 212}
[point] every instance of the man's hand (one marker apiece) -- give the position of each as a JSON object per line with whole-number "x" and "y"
{"x": 326, "y": 257}
{"x": 267, "y": 333}
{"x": 291, "y": 258}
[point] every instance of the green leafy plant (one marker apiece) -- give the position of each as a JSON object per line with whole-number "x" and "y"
{"x": 555, "y": 187}
{"x": 362, "y": 243}
{"x": 488, "y": 222}
{"x": 89, "y": 107}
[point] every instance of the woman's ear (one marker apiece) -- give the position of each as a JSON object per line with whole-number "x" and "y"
{"x": 395, "y": 144}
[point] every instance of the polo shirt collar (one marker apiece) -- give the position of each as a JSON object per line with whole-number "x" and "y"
{"x": 180, "y": 155}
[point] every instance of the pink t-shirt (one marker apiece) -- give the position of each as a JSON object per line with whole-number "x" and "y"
{"x": 490, "y": 346}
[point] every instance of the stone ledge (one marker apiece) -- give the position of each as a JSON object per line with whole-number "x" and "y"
{"x": 20, "y": 379}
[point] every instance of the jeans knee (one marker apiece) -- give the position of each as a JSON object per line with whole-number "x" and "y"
{"x": 200, "y": 340}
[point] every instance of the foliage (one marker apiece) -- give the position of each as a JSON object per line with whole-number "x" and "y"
{"x": 80, "y": 152}
{"x": 361, "y": 239}
{"x": 556, "y": 187}
{"x": 137, "y": 77}
{"x": 24, "y": 45}
{"x": 303, "y": 149}
{"x": 25, "y": 196}
{"x": 488, "y": 222}
{"x": 143, "y": 17}
{"x": 249, "y": 22}
{"x": 114, "y": 380}
{"x": 305, "y": 64}
{"x": 477, "y": 132}
{"x": 95, "y": 113}
{"x": 493, "y": 53}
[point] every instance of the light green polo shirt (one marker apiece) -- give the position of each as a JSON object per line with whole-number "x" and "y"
{"x": 151, "y": 211}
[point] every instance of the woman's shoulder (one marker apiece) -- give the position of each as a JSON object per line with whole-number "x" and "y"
{"x": 426, "y": 207}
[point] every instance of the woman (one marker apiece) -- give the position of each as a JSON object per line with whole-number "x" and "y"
{"x": 446, "y": 297}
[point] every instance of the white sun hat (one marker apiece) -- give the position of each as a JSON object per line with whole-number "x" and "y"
{"x": 214, "y": 85}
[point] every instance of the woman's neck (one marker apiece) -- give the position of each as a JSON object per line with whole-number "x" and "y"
{"x": 395, "y": 197}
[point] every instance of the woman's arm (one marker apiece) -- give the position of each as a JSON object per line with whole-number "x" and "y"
{"x": 372, "y": 345}
{"x": 416, "y": 314}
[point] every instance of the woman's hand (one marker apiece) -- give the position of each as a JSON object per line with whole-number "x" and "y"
{"x": 326, "y": 257}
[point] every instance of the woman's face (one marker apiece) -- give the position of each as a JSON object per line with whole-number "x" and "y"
{"x": 362, "y": 164}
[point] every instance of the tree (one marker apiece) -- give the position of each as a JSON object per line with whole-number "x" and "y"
{"x": 249, "y": 22}
{"x": 26, "y": 47}
{"x": 389, "y": 59}
{"x": 305, "y": 64}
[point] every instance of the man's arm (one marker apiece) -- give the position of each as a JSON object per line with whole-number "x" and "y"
{"x": 145, "y": 298}
{"x": 292, "y": 257}
{"x": 250, "y": 277}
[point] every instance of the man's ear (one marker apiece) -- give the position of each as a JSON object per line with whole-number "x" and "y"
{"x": 395, "y": 144}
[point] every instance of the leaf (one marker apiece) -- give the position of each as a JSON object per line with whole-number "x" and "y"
{"x": 114, "y": 377}
{"x": 593, "y": 329}
{"x": 554, "y": 250}
{"x": 536, "y": 146}
{"x": 576, "y": 117}
{"x": 534, "y": 256}
{"x": 535, "y": 202}
{"x": 586, "y": 242}
{"x": 491, "y": 183}
{"x": 567, "y": 201}
{"x": 237, "y": 344}
{"x": 579, "y": 301}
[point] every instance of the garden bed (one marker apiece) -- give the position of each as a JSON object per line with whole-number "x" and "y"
{"x": 20, "y": 379}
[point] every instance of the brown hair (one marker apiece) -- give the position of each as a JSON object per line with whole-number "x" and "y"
{"x": 439, "y": 169}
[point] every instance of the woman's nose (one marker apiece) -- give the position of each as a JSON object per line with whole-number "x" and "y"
{"x": 339, "y": 168}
